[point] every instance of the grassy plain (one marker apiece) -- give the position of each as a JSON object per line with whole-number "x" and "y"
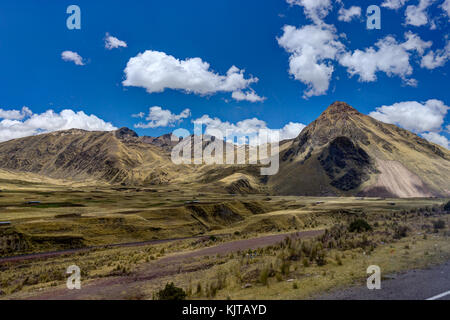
{"x": 46, "y": 218}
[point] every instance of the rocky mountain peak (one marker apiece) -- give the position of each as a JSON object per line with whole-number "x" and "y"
{"x": 125, "y": 133}
{"x": 339, "y": 108}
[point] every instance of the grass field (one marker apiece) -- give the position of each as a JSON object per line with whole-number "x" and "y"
{"x": 404, "y": 234}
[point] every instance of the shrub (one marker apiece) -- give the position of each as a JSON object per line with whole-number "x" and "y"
{"x": 400, "y": 232}
{"x": 338, "y": 260}
{"x": 359, "y": 225}
{"x": 264, "y": 276}
{"x": 447, "y": 206}
{"x": 305, "y": 262}
{"x": 439, "y": 224}
{"x": 170, "y": 292}
{"x": 285, "y": 267}
{"x": 320, "y": 259}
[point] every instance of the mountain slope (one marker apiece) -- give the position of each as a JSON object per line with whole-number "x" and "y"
{"x": 116, "y": 157}
{"x": 344, "y": 152}
{"x": 341, "y": 153}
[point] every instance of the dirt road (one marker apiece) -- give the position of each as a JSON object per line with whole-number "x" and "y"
{"x": 122, "y": 287}
{"x": 44, "y": 255}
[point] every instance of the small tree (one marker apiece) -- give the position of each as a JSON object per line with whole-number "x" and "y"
{"x": 170, "y": 292}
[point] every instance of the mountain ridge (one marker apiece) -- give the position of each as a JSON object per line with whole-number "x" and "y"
{"x": 343, "y": 152}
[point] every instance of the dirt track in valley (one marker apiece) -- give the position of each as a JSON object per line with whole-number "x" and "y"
{"x": 123, "y": 287}
{"x": 45, "y": 255}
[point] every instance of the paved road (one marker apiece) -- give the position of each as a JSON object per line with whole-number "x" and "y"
{"x": 412, "y": 285}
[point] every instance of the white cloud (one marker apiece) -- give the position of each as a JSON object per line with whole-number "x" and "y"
{"x": 315, "y": 49}
{"x": 415, "y": 43}
{"x": 435, "y": 59}
{"x": 437, "y": 138}
{"x": 248, "y": 128}
{"x": 414, "y": 116}
{"x": 391, "y": 58}
{"x": 138, "y": 115}
{"x": 247, "y": 96}
{"x": 156, "y": 71}
{"x": 158, "y": 117}
{"x": 291, "y": 130}
{"x": 349, "y": 14}
{"x": 15, "y": 114}
{"x": 417, "y": 15}
{"x": 446, "y": 7}
{"x": 73, "y": 57}
{"x": 113, "y": 43}
{"x": 316, "y": 10}
{"x": 393, "y": 4}
{"x": 49, "y": 121}
{"x": 312, "y": 48}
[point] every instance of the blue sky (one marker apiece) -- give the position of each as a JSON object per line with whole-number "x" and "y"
{"x": 330, "y": 61}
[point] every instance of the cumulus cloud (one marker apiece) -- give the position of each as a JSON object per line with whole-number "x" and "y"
{"x": 415, "y": 43}
{"x": 393, "y": 4}
{"x": 18, "y": 124}
{"x": 435, "y": 59}
{"x": 312, "y": 48}
{"x": 158, "y": 117}
{"x": 73, "y": 57}
{"x": 247, "y": 96}
{"x": 424, "y": 118}
{"x": 390, "y": 57}
{"x": 113, "y": 43}
{"x": 156, "y": 71}
{"x": 414, "y": 116}
{"x": 248, "y": 128}
{"x": 446, "y": 7}
{"x": 15, "y": 114}
{"x": 316, "y": 10}
{"x": 316, "y": 49}
{"x": 417, "y": 15}
{"x": 437, "y": 138}
{"x": 349, "y": 14}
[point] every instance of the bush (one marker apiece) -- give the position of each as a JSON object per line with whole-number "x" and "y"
{"x": 285, "y": 267}
{"x": 170, "y": 292}
{"x": 400, "y": 232}
{"x": 439, "y": 224}
{"x": 321, "y": 258}
{"x": 264, "y": 276}
{"x": 199, "y": 289}
{"x": 359, "y": 225}
{"x": 305, "y": 262}
{"x": 447, "y": 206}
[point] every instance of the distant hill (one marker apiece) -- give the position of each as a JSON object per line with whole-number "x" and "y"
{"x": 114, "y": 157}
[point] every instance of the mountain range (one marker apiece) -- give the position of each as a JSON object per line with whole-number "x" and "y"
{"x": 342, "y": 153}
